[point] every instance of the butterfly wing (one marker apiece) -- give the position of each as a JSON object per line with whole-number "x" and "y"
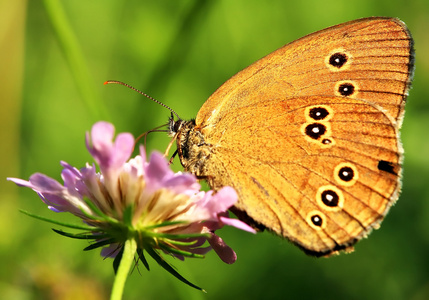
{"x": 374, "y": 55}
{"x": 309, "y": 135}
{"x": 345, "y": 175}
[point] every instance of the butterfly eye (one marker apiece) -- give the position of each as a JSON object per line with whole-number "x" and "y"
{"x": 338, "y": 60}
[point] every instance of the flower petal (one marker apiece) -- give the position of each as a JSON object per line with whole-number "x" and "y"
{"x": 109, "y": 155}
{"x": 20, "y": 182}
{"x": 123, "y": 148}
{"x": 183, "y": 184}
{"x": 237, "y": 224}
{"x": 43, "y": 183}
{"x": 157, "y": 171}
{"x": 225, "y": 253}
{"x": 106, "y": 153}
{"x": 74, "y": 180}
{"x": 111, "y": 251}
{"x": 219, "y": 202}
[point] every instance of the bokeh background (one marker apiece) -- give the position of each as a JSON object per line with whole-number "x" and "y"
{"x": 54, "y": 58}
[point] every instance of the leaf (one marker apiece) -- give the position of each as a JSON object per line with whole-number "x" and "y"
{"x": 140, "y": 253}
{"x": 180, "y": 236}
{"x": 81, "y": 236}
{"x": 99, "y": 244}
{"x": 73, "y": 226}
{"x": 181, "y": 252}
{"x": 117, "y": 260}
{"x": 169, "y": 268}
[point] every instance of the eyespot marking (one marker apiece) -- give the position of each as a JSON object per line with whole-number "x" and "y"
{"x": 330, "y": 198}
{"x": 320, "y": 112}
{"x": 346, "y": 89}
{"x": 327, "y": 141}
{"x": 315, "y": 130}
{"x": 338, "y": 60}
{"x": 316, "y": 219}
{"x": 346, "y": 174}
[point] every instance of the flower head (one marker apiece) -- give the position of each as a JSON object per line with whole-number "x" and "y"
{"x": 140, "y": 200}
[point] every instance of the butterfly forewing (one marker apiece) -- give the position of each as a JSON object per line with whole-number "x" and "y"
{"x": 378, "y": 59}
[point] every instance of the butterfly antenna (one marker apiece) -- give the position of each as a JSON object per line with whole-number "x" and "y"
{"x": 144, "y": 94}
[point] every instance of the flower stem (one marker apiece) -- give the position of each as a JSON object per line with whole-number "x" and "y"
{"x": 74, "y": 56}
{"x": 127, "y": 260}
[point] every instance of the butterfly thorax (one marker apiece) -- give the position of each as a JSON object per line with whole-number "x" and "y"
{"x": 193, "y": 151}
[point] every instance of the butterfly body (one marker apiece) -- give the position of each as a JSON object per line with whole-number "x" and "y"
{"x": 309, "y": 135}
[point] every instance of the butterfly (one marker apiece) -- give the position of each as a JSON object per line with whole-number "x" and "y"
{"x": 308, "y": 136}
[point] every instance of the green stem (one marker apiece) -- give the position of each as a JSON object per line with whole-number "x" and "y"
{"x": 127, "y": 260}
{"x": 75, "y": 58}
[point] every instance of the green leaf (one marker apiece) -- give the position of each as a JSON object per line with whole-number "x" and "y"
{"x": 99, "y": 244}
{"x": 140, "y": 253}
{"x": 73, "y": 226}
{"x": 180, "y": 252}
{"x": 117, "y": 260}
{"x": 80, "y": 236}
{"x": 168, "y": 267}
{"x": 179, "y": 236}
{"x": 180, "y": 243}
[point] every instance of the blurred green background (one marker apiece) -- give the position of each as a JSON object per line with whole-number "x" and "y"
{"x": 55, "y": 56}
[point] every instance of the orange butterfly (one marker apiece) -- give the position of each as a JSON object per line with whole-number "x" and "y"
{"x": 309, "y": 135}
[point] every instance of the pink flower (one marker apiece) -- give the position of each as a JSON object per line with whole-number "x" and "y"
{"x": 138, "y": 199}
